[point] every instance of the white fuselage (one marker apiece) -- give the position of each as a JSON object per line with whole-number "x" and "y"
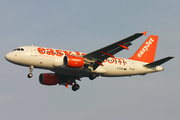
{"x": 52, "y": 59}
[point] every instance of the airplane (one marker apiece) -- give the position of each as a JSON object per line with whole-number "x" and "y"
{"x": 70, "y": 66}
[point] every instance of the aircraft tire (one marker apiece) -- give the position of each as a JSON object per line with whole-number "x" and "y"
{"x": 30, "y": 75}
{"x": 75, "y": 87}
{"x": 92, "y": 76}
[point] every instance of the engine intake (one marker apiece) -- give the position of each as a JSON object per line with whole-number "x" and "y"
{"x": 73, "y": 61}
{"x": 48, "y": 79}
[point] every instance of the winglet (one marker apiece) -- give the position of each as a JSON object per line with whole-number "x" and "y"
{"x": 144, "y": 33}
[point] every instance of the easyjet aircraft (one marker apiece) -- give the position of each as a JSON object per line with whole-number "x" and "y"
{"x": 70, "y": 66}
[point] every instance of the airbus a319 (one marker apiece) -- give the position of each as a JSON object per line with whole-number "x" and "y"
{"x": 69, "y": 66}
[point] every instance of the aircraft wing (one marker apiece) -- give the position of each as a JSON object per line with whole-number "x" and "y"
{"x": 100, "y": 55}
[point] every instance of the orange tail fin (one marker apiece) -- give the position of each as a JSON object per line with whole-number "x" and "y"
{"x": 146, "y": 53}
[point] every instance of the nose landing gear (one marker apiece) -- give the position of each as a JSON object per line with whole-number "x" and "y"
{"x": 30, "y": 70}
{"x": 29, "y": 75}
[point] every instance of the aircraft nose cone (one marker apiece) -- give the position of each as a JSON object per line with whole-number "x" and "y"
{"x": 8, "y": 57}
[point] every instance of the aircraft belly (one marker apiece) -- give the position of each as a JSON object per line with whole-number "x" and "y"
{"x": 80, "y": 72}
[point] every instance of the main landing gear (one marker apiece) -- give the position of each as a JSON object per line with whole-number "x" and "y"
{"x": 30, "y": 70}
{"x": 73, "y": 83}
{"x": 75, "y": 87}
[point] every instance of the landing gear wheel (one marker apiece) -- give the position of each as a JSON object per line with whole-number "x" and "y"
{"x": 29, "y": 75}
{"x": 30, "y": 70}
{"x": 92, "y": 76}
{"x": 75, "y": 87}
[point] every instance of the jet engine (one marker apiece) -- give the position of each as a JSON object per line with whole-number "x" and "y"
{"x": 73, "y": 61}
{"x": 48, "y": 79}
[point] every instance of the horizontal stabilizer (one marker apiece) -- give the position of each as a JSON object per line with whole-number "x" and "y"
{"x": 158, "y": 62}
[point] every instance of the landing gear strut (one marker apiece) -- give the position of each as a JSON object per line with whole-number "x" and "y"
{"x": 30, "y": 70}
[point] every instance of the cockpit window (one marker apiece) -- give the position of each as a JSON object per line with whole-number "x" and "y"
{"x": 15, "y": 50}
{"x": 18, "y": 49}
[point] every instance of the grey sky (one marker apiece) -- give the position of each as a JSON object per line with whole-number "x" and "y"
{"x": 86, "y": 26}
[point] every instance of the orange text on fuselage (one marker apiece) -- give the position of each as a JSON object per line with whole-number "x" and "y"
{"x": 60, "y": 53}
{"x": 115, "y": 60}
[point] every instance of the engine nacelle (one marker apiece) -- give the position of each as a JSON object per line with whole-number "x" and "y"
{"x": 73, "y": 61}
{"x": 48, "y": 79}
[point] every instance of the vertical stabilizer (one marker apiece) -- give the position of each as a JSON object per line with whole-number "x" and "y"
{"x": 146, "y": 53}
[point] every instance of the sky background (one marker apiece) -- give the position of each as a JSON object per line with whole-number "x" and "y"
{"x": 85, "y": 26}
